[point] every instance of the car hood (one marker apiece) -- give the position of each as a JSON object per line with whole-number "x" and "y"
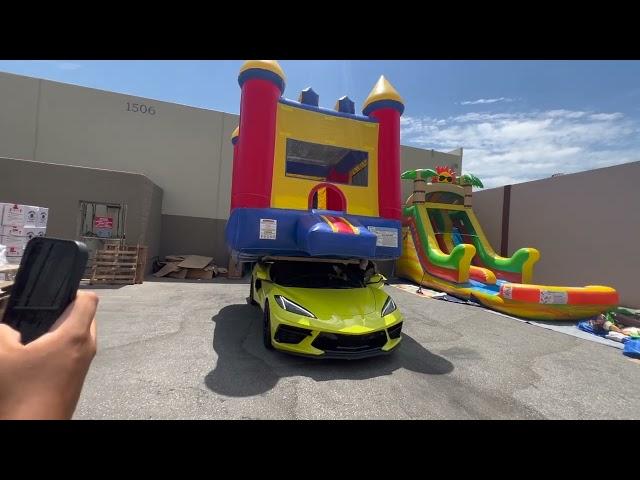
{"x": 329, "y": 303}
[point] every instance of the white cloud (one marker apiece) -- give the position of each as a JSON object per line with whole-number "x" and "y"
{"x": 481, "y": 101}
{"x": 508, "y": 148}
{"x": 606, "y": 116}
{"x": 68, "y": 66}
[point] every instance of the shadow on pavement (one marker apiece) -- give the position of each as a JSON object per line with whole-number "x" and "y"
{"x": 245, "y": 368}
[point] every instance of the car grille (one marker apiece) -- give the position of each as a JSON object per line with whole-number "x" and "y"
{"x": 335, "y": 342}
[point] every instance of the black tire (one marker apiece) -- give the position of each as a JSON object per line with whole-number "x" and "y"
{"x": 266, "y": 327}
{"x": 251, "y": 299}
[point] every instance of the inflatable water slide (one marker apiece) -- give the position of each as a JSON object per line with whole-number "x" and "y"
{"x": 445, "y": 248}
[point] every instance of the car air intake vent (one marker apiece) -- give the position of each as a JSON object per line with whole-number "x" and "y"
{"x": 394, "y": 332}
{"x": 288, "y": 334}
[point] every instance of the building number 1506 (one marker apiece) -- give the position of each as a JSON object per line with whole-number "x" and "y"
{"x": 140, "y": 107}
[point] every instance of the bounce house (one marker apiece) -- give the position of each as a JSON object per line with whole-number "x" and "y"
{"x": 310, "y": 181}
{"x": 444, "y": 248}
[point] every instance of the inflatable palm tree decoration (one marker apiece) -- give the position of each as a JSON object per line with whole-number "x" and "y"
{"x": 469, "y": 179}
{"x": 419, "y": 174}
{"x": 419, "y": 177}
{"x": 467, "y": 182}
{"x": 447, "y": 175}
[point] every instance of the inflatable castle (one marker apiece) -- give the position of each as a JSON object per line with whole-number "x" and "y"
{"x": 310, "y": 181}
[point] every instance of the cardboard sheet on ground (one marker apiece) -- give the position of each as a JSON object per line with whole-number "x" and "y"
{"x": 167, "y": 269}
{"x": 195, "y": 261}
{"x": 196, "y": 274}
{"x": 181, "y": 274}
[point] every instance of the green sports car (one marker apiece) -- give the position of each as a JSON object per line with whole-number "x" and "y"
{"x": 325, "y": 309}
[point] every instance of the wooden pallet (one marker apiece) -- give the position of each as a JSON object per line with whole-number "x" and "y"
{"x": 234, "y": 267}
{"x": 115, "y": 265}
{"x": 113, "y": 244}
{"x": 142, "y": 264}
{"x": 107, "y": 245}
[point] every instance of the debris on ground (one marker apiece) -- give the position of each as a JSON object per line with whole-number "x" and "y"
{"x": 195, "y": 267}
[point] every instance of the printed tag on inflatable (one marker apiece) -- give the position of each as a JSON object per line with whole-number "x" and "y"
{"x": 386, "y": 237}
{"x": 268, "y": 229}
{"x": 557, "y": 298}
{"x": 507, "y": 292}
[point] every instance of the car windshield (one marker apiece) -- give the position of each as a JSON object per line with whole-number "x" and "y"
{"x": 317, "y": 275}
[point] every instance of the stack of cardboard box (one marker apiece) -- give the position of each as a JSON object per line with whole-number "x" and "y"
{"x": 18, "y": 225}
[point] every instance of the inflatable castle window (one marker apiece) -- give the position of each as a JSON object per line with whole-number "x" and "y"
{"x": 310, "y": 181}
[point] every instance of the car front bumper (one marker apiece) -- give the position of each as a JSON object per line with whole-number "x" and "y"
{"x": 297, "y": 335}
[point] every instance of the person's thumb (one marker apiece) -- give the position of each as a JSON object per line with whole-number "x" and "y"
{"x": 9, "y": 336}
{"x": 79, "y": 314}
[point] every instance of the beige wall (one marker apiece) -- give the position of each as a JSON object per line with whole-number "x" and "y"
{"x": 61, "y": 188}
{"x": 184, "y": 150}
{"x": 487, "y": 205}
{"x": 586, "y": 226}
{"x": 179, "y": 147}
{"x": 18, "y": 114}
{"x": 194, "y": 235}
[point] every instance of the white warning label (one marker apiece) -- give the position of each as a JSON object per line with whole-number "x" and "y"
{"x": 268, "y": 229}
{"x": 558, "y": 298}
{"x": 386, "y": 237}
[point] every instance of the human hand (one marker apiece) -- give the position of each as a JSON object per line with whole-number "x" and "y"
{"x": 43, "y": 379}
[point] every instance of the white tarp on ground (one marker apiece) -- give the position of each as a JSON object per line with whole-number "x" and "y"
{"x": 568, "y": 328}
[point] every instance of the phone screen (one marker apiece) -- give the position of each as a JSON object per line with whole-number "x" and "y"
{"x": 45, "y": 285}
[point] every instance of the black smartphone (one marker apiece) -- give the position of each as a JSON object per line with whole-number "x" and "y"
{"x": 46, "y": 283}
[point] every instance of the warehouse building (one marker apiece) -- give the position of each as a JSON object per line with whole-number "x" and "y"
{"x": 161, "y": 170}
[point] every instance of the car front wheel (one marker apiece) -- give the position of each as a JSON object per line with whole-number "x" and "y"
{"x": 266, "y": 327}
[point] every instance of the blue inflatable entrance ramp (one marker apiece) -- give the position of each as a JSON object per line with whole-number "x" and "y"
{"x": 256, "y": 232}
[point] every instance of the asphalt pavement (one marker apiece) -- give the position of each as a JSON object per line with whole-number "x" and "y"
{"x": 175, "y": 349}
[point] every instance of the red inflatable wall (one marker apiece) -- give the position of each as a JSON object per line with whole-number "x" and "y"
{"x": 389, "y": 193}
{"x": 253, "y": 166}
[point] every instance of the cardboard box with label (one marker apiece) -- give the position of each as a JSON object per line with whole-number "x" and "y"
{"x": 15, "y": 245}
{"x": 30, "y": 215}
{"x": 17, "y": 215}
{"x": 43, "y": 217}
{"x": 27, "y": 232}
{"x": 13, "y": 214}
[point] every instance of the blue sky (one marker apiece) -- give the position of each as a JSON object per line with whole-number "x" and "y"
{"x": 517, "y": 120}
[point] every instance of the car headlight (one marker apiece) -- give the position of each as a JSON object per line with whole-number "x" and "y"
{"x": 292, "y": 307}
{"x": 389, "y": 307}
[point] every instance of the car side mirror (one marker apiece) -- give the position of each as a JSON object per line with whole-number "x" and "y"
{"x": 262, "y": 273}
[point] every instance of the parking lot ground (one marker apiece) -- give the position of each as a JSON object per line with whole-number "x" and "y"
{"x": 171, "y": 349}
